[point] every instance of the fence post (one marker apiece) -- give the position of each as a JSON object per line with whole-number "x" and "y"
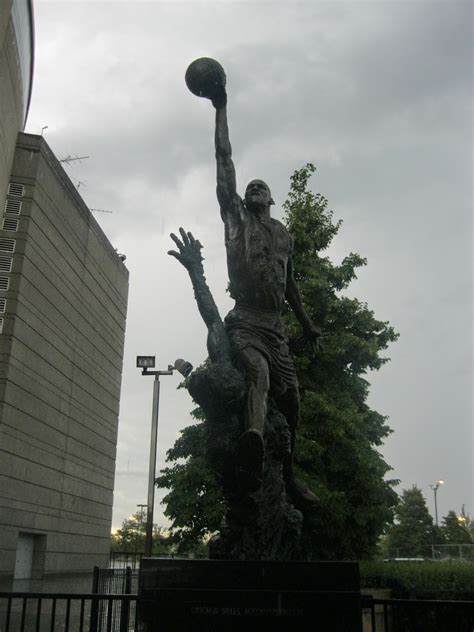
{"x": 125, "y": 607}
{"x": 94, "y": 618}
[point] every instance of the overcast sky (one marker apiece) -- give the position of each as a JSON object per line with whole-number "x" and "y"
{"x": 377, "y": 94}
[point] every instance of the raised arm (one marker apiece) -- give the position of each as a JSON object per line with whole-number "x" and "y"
{"x": 206, "y": 78}
{"x": 229, "y": 201}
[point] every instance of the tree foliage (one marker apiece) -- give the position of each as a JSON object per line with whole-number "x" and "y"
{"x": 339, "y": 434}
{"x": 130, "y": 538}
{"x": 194, "y": 503}
{"x": 414, "y": 531}
{"x": 455, "y": 529}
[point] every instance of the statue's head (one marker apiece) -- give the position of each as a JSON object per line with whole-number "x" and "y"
{"x": 258, "y": 196}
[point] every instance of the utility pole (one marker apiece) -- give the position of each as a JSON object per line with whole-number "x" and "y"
{"x": 435, "y": 488}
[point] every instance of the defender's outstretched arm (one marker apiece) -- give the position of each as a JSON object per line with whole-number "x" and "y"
{"x": 189, "y": 255}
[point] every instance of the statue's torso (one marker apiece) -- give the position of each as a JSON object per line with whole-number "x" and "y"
{"x": 257, "y": 259}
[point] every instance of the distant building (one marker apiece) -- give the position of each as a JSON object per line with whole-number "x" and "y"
{"x": 16, "y": 79}
{"x": 63, "y": 300}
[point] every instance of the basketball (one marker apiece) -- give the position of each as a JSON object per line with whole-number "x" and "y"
{"x": 205, "y": 77}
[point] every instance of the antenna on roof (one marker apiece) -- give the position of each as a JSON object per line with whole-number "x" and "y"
{"x": 99, "y": 210}
{"x": 68, "y": 159}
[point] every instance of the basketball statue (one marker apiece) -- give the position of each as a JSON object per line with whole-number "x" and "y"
{"x": 249, "y": 389}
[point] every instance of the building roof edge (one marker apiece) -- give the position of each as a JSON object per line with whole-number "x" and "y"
{"x": 30, "y": 141}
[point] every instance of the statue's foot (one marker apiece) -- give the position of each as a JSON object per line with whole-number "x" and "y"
{"x": 250, "y": 452}
{"x": 299, "y": 492}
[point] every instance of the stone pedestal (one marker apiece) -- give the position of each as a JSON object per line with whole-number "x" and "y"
{"x": 211, "y": 595}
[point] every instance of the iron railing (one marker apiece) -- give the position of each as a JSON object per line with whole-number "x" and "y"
{"x": 436, "y": 552}
{"x": 118, "y": 559}
{"x": 66, "y": 612}
{"x": 113, "y": 581}
{"x": 100, "y": 612}
{"x": 418, "y": 615}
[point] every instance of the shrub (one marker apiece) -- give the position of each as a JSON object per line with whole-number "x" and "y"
{"x": 423, "y": 580}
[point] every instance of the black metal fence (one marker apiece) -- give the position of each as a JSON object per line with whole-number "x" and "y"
{"x": 436, "y": 552}
{"x": 67, "y": 612}
{"x": 106, "y": 612}
{"x": 417, "y": 615}
{"x": 114, "y": 581}
{"x": 118, "y": 560}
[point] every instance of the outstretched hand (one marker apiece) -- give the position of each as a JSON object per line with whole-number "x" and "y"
{"x": 189, "y": 254}
{"x": 310, "y": 340}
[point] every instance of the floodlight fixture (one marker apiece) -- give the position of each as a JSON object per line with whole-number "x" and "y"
{"x": 146, "y": 362}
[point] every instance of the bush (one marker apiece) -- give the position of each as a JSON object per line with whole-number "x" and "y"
{"x": 422, "y": 580}
{"x": 441, "y": 581}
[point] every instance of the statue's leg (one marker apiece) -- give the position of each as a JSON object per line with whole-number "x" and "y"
{"x": 289, "y": 405}
{"x": 250, "y": 448}
{"x": 257, "y": 378}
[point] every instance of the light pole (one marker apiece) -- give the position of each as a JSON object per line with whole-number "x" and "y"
{"x": 435, "y": 488}
{"x": 142, "y": 507}
{"x": 146, "y": 363}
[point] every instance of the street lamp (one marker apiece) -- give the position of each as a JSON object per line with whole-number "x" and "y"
{"x": 435, "y": 488}
{"x": 146, "y": 363}
{"x": 462, "y": 518}
{"x": 140, "y": 528}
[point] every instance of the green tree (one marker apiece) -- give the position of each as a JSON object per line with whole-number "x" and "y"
{"x": 414, "y": 531}
{"x": 455, "y": 529}
{"x": 338, "y": 434}
{"x": 468, "y": 523}
{"x": 194, "y": 503}
{"x": 130, "y": 538}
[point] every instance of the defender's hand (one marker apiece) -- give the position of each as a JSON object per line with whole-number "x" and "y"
{"x": 189, "y": 254}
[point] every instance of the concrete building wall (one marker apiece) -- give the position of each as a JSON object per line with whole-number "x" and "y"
{"x": 16, "y": 65}
{"x": 61, "y": 351}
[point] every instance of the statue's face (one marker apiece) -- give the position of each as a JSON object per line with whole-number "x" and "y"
{"x": 257, "y": 195}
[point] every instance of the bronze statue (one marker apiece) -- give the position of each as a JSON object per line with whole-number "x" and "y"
{"x": 249, "y": 390}
{"x": 261, "y": 278}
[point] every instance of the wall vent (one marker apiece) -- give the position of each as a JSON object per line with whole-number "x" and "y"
{"x": 3, "y": 305}
{"x": 6, "y": 264}
{"x": 11, "y": 224}
{"x": 4, "y": 284}
{"x": 16, "y": 190}
{"x": 1, "y": 325}
{"x": 13, "y": 207}
{"x": 7, "y": 245}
